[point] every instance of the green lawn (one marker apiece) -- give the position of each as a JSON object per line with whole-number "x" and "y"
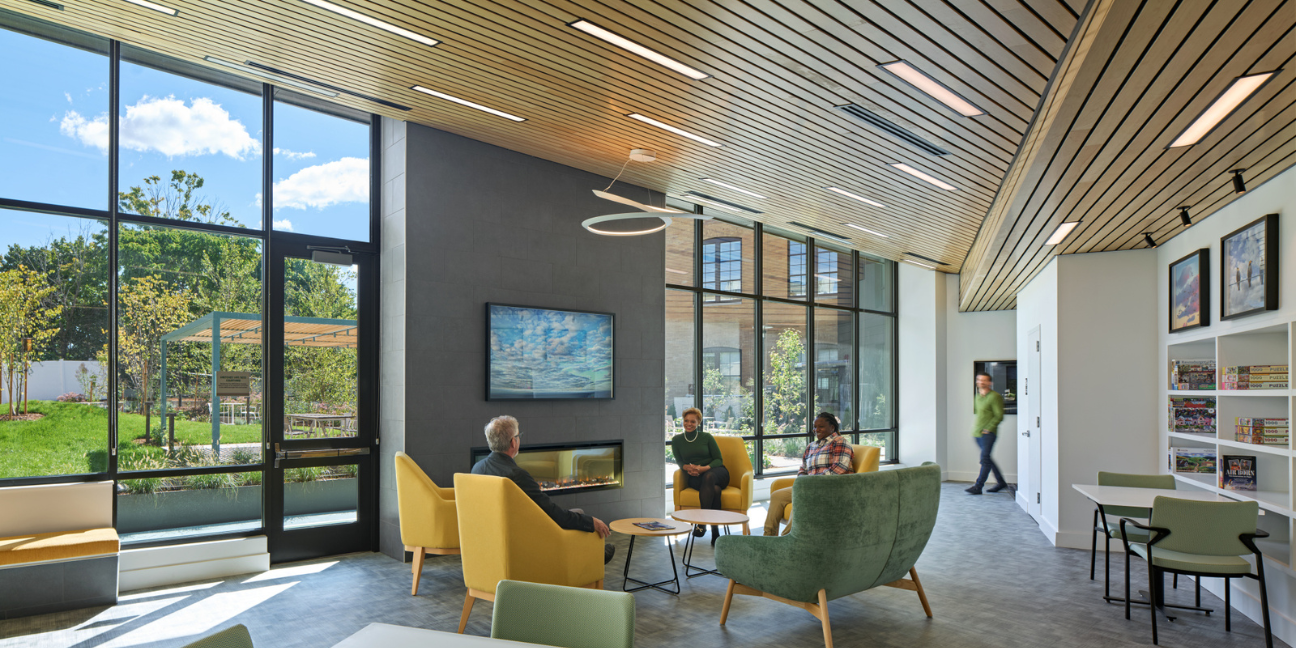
{"x": 72, "y": 438}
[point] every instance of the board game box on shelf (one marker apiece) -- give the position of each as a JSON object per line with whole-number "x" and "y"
{"x": 1255, "y": 377}
{"x": 1193, "y": 460}
{"x": 1192, "y": 374}
{"x": 1193, "y": 415}
{"x": 1262, "y": 431}
{"x": 1237, "y": 473}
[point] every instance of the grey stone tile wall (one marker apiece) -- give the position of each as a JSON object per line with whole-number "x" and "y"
{"x": 485, "y": 224}
{"x": 391, "y": 408}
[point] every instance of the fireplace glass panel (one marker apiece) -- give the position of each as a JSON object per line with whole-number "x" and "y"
{"x": 569, "y": 468}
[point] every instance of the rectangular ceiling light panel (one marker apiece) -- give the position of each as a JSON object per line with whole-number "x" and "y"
{"x": 920, "y": 265}
{"x": 877, "y": 121}
{"x": 821, "y": 232}
{"x": 637, "y": 49}
{"x": 865, "y": 229}
{"x": 278, "y": 80}
{"x": 932, "y": 88}
{"x": 667, "y": 127}
{"x": 701, "y": 197}
{"x": 924, "y": 176}
{"x": 858, "y": 197}
{"x": 374, "y": 22}
{"x": 726, "y": 185}
{"x": 465, "y": 102}
{"x": 1061, "y": 233}
{"x": 1233, "y": 96}
{"x": 155, "y": 7}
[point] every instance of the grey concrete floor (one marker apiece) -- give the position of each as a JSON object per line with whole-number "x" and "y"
{"x": 991, "y": 578}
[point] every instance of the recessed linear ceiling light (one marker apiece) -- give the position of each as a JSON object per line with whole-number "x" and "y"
{"x": 924, "y": 177}
{"x": 386, "y": 26}
{"x": 724, "y": 204}
{"x": 865, "y": 229}
{"x": 932, "y": 88}
{"x": 855, "y": 196}
{"x": 290, "y": 75}
{"x": 920, "y": 265}
{"x": 1237, "y": 92}
{"x": 821, "y": 232}
{"x": 47, "y": 3}
{"x": 887, "y": 127}
{"x": 1061, "y": 232}
{"x": 726, "y": 185}
{"x": 281, "y": 80}
{"x": 155, "y": 7}
{"x": 924, "y": 258}
{"x": 635, "y": 48}
{"x": 465, "y": 102}
{"x": 653, "y": 122}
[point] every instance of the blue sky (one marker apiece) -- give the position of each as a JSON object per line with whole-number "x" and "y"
{"x": 54, "y": 138}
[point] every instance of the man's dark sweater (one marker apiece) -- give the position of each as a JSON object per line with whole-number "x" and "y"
{"x": 502, "y": 465}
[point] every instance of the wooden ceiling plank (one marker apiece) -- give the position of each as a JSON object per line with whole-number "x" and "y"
{"x": 1049, "y": 13}
{"x": 1031, "y": 40}
{"x": 486, "y": 118}
{"x": 1114, "y": 93}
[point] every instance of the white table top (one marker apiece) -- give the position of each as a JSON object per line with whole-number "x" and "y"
{"x": 383, "y": 635}
{"x": 1142, "y": 497}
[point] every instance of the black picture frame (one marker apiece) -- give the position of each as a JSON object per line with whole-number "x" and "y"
{"x": 1202, "y": 259}
{"x": 1267, "y": 299}
{"x": 492, "y": 394}
{"x": 1003, "y": 379}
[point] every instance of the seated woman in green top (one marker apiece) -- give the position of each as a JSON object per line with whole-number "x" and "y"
{"x": 699, "y": 457}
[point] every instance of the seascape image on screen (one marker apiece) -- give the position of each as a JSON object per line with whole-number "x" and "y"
{"x": 538, "y": 353}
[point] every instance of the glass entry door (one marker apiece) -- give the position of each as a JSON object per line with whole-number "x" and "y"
{"x": 322, "y": 495}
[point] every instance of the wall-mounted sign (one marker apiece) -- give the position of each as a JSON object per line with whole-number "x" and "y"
{"x": 233, "y": 383}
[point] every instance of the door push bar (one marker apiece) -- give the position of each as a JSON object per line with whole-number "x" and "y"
{"x": 281, "y": 454}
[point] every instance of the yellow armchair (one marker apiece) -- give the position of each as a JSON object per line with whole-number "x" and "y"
{"x": 864, "y": 458}
{"x": 737, "y": 497}
{"x": 428, "y": 523}
{"x": 505, "y": 536}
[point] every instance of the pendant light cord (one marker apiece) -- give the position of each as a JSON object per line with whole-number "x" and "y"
{"x": 618, "y": 175}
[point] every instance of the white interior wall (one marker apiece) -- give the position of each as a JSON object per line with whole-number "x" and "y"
{"x": 1037, "y": 307}
{"x": 1277, "y": 196}
{"x": 921, "y": 354}
{"x": 970, "y": 337}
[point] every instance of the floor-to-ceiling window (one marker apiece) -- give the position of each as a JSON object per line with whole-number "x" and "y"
{"x": 765, "y": 329}
{"x": 140, "y": 199}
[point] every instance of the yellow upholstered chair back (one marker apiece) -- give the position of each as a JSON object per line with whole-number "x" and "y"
{"x": 427, "y": 512}
{"x": 738, "y": 495}
{"x": 504, "y": 535}
{"x": 865, "y": 458}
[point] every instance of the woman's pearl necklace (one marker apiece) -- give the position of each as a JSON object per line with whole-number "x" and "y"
{"x": 696, "y": 432}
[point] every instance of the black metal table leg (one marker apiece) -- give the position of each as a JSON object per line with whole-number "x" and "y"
{"x": 643, "y": 585}
{"x": 689, "y": 545}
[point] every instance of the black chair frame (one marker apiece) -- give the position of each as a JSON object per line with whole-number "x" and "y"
{"x": 1101, "y": 514}
{"x": 1156, "y": 587}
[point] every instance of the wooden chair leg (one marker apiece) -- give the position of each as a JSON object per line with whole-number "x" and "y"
{"x": 468, "y": 606}
{"x": 724, "y": 611}
{"x": 418, "y": 568}
{"x": 922, "y": 596}
{"x": 823, "y": 616}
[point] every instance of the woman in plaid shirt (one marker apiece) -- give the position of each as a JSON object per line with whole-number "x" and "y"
{"x": 828, "y": 454}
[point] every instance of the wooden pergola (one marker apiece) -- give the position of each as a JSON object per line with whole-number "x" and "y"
{"x": 246, "y": 328}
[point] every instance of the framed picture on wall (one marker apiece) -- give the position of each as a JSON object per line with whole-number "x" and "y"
{"x": 1190, "y": 291}
{"x": 1249, "y": 269}
{"x": 1003, "y": 379}
{"x": 548, "y": 354}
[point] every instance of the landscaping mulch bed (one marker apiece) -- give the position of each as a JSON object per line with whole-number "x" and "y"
{"x": 22, "y": 417}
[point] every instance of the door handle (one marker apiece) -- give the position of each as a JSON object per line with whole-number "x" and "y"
{"x": 281, "y": 454}
{"x": 1026, "y": 433}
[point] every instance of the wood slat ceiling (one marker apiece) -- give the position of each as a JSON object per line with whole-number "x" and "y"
{"x": 1138, "y": 74}
{"x": 778, "y": 68}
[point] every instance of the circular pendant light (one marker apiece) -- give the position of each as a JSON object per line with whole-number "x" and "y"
{"x": 589, "y": 224}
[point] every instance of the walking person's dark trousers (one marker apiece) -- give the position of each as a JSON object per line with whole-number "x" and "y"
{"x": 987, "y": 441}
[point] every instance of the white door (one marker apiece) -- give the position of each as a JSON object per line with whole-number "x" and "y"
{"x": 1034, "y": 434}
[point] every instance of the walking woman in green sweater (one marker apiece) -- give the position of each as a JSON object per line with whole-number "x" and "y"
{"x": 699, "y": 457}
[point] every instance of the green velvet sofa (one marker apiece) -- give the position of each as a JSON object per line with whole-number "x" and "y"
{"x": 851, "y": 533}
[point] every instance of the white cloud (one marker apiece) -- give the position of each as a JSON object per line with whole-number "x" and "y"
{"x": 322, "y": 185}
{"x": 168, "y": 126}
{"x": 284, "y": 225}
{"x": 294, "y": 155}
{"x": 69, "y": 96}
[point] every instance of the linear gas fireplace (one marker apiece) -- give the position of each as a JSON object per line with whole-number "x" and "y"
{"x": 569, "y": 467}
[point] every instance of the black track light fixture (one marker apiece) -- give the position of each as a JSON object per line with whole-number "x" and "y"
{"x": 1184, "y": 217}
{"x": 1239, "y": 185}
{"x": 1150, "y": 241}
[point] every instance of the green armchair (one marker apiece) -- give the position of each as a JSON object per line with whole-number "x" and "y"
{"x": 851, "y": 533}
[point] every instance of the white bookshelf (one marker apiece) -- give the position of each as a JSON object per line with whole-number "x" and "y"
{"x": 1265, "y": 343}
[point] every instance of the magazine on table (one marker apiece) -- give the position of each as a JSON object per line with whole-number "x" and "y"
{"x": 654, "y": 526}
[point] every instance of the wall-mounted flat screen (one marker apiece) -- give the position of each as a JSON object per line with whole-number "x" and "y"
{"x": 547, "y": 354}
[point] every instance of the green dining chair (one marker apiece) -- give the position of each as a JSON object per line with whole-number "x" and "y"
{"x": 231, "y": 637}
{"x": 1110, "y": 529}
{"x": 571, "y": 617}
{"x": 1199, "y": 539}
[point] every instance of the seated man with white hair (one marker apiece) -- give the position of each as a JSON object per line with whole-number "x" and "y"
{"x": 503, "y": 438}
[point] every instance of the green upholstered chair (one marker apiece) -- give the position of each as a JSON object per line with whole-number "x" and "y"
{"x": 231, "y": 637}
{"x": 850, "y": 533}
{"x": 1201, "y": 539}
{"x": 1108, "y": 526}
{"x": 572, "y": 617}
